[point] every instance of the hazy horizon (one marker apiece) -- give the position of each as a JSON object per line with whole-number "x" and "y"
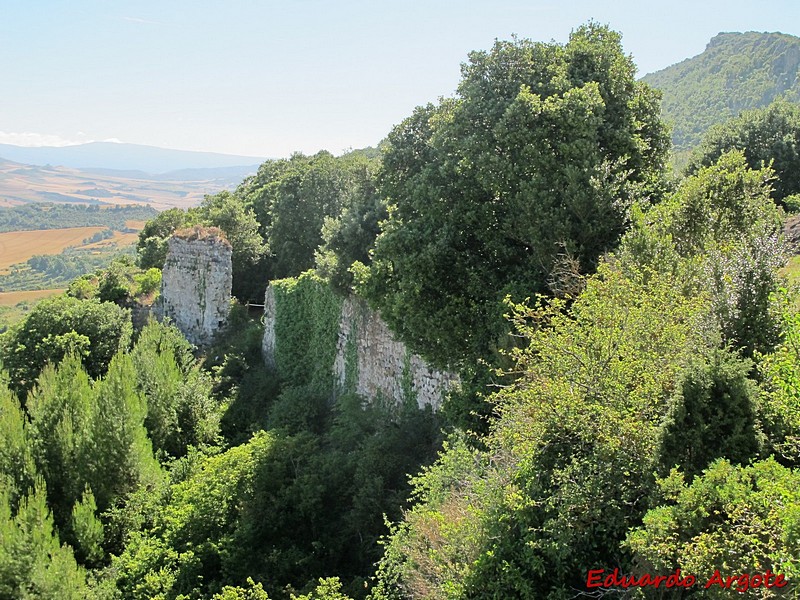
{"x": 269, "y": 78}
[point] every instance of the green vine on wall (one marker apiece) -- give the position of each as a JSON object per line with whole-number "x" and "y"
{"x": 307, "y": 314}
{"x": 407, "y": 382}
{"x": 351, "y": 360}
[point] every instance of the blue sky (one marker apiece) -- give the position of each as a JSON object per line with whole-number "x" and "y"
{"x": 266, "y": 78}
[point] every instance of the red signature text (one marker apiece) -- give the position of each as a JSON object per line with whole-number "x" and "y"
{"x": 599, "y": 578}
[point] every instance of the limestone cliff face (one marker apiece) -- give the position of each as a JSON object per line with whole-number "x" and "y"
{"x": 368, "y": 359}
{"x": 196, "y": 283}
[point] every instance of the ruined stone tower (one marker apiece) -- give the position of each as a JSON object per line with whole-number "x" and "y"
{"x": 196, "y": 283}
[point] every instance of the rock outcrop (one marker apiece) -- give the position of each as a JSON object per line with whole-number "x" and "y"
{"x": 196, "y": 283}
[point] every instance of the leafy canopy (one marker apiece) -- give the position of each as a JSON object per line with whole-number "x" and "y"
{"x": 768, "y": 137}
{"x": 540, "y": 155}
{"x": 90, "y": 329}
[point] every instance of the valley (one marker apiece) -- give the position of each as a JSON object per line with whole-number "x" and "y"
{"x": 21, "y": 184}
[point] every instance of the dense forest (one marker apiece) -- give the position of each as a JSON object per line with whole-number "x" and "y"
{"x": 627, "y": 344}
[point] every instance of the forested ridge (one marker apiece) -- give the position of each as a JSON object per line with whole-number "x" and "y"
{"x": 626, "y": 340}
{"x": 736, "y": 72}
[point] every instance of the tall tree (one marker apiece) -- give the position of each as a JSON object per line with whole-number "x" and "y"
{"x": 17, "y": 468}
{"x": 768, "y": 136}
{"x": 180, "y": 411}
{"x": 718, "y": 234}
{"x": 119, "y": 453}
{"x": 153, "y": 238}
{"x": 294, "y": 199}
{"x": 236, "y": 218}
{"x": 33, "y": 564}
{"x": 349, "y": 236}
{"x": 60, "y": 409}
{"x": 537, "y": 158}
{"x": 56, "y": 327}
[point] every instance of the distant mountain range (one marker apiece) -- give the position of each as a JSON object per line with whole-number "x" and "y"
{"x": 130, "y": 158}
{"x": 737, "y": 71}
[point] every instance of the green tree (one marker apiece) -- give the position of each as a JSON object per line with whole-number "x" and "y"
{"x": 56, "y": 327}
{"x": 153, "y": 238}
{"x": 119, "y": 453}
{"x": 539, "y": 157}
{"x": 718, "y": 233}
{"x": 779, "y": 408}
{"x": 116, "y": 283}
{"x": 328, "y": 589}
{"x": 180, "y": 410}
{"x": 296, "y": 199}
{"x": 732, "y": 518}
{"x": 32, "y": 562}
{"x": 60, "y": 409}
{"x": 87, "y": 530}
{"x": 90, "y": 446}
{"x": 148, "y": 283}
{"x": 713, "y": 415}
{"x": 769, "y": 137}
{"x": 83, "y": 287}
{"x": 348, "y": 237}
{"x": 236, "y": 218}
{"x": 307, "y": 192}
{"x": 568, "y": 464}
{"x": 254, "y": 591}
{"x": 190, "y": 541}
{"x": 17, "y": 468}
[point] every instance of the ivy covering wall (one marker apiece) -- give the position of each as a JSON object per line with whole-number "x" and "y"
{"x": 307, "y": 314}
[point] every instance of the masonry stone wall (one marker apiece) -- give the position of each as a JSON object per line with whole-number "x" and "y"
{"x": 196, "y": 284}
{"x": 384, "y": 366}
{"x": 268, "y": 341}
{"x": 369, "y": 360}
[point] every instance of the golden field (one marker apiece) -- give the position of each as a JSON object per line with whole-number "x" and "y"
{"x": 14, "y": 298}
{"x": 20, "y": 184}
{"x": 119, "y": 240}
{"x": 19, "y": 246}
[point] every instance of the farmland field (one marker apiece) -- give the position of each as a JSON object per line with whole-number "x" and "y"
{"x": 119, "y": 240}
{"x": 14, "y": 298}
{"x": 19, "y": 246}
{"x": 133, "y": 224}
{"x": 49, "y": 259}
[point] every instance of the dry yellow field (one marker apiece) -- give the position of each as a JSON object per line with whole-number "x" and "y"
{"x": 25, "y": 183}
{"x": 120, "y": 239}
{"x": 19, "y": 246}
{"x": 14, "y": 298}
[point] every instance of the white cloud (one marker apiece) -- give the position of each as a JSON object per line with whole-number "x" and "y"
{"x": 140, "y": 20}
{"x": 41, "y": 139}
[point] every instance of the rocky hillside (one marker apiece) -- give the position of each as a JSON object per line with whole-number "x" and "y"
{"x": 736, "y": 71}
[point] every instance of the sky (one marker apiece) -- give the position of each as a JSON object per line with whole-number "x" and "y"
{"x": 266, "y": 79}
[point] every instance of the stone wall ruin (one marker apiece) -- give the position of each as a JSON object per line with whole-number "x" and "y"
{"x": 369, "y": 360}
{"x": 196, "y": 283}
{"x": 384, "y": 366}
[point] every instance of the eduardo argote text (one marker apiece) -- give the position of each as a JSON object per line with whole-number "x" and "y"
{"x": 600, "y": 578}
